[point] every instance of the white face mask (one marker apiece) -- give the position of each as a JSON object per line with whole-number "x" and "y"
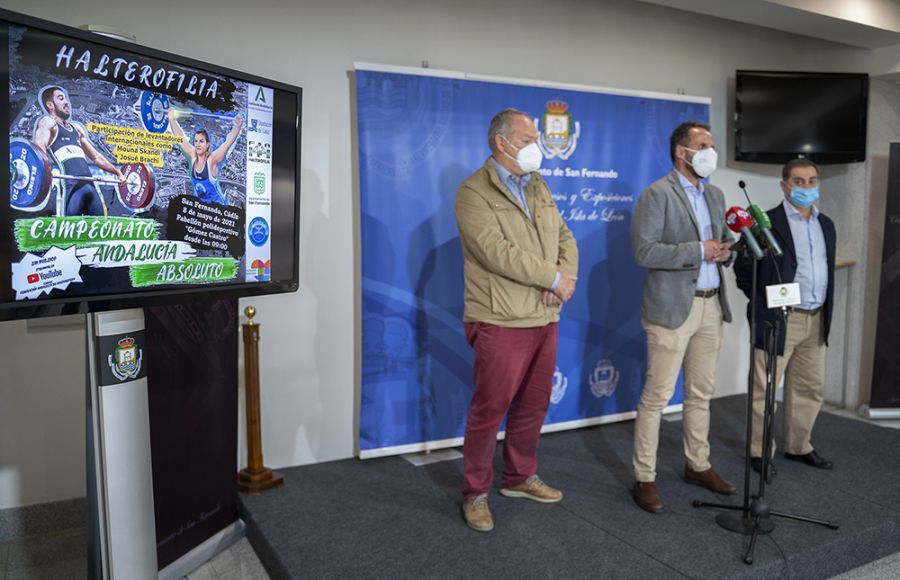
{"x": 529, "y": 157}
{"x": 704, "y": 162}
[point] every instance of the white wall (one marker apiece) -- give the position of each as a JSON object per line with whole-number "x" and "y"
{"x": 856, "y": 197}
{"x": 42, "y": 421}
{"x": 875, "y": 13}
{"x": 309, "y": 347}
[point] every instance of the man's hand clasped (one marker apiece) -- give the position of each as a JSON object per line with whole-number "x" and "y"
{"x": 563, "y": 292}
{"x": 716, "y": 251}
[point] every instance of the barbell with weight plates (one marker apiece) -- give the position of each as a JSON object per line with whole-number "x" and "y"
{"x": 31, "y": 178}
{"x": 153, "y": 109}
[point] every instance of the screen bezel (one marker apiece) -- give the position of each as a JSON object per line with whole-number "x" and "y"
{"x": 824, "y": 158}
{"x": 103, "y": 302}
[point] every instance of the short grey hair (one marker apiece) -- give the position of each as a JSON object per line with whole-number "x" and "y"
{"x": 501, "y": 125}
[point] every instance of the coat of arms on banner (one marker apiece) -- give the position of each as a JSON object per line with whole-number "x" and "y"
{"x": 604, "y": 379}
{"x": 125, "y": 363}
{"x": 559, "y": 138}
{"x": 560, "y": 383}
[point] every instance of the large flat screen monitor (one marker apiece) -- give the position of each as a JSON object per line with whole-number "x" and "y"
{"x": 138, "y": 176}
{"x": 781, "y": 116}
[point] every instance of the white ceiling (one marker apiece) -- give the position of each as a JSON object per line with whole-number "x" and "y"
{"x": 867, "y": 24}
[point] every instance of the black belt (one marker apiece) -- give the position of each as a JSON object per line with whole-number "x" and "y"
{"x": 804, "y": 311}
{"x": 706, "y": 293}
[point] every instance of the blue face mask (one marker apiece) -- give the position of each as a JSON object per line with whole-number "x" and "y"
{"x": 804, "y": 197}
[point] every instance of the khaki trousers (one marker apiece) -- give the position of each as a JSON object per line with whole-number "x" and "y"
{"x": 803, "y": 369}
{"x": 696, "y": 344}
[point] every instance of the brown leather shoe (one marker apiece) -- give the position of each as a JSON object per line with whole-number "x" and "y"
{"x": 709, "y": 479}
{"x": 647, "y": 497}
{"x": 477, "y": 513}
{"x": 535, "y": 489}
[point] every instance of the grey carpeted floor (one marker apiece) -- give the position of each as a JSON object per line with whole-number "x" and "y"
{"x": 385, "y": 518}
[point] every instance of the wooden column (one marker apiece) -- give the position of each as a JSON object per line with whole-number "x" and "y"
{"x": 255, "y": 478}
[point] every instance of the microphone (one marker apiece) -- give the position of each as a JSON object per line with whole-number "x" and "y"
{"x": 761, "y": 223}
{"x": 739, "y": 221}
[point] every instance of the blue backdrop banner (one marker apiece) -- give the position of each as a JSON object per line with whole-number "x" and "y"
{"x": 419, "y": 137}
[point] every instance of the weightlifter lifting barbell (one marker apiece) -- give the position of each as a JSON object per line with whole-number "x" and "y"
{"x": 31, "y": 179}
{"x": 59, "y": 136}
{"x": 204, "y": 161}
{"x": 158, "y": 115}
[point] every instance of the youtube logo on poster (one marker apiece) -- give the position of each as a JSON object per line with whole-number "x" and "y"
{"x": 32, "y": 278}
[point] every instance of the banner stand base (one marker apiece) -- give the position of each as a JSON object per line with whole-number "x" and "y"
{"x": 122, "y": 531}
{"x": 254, "y": 483}
{"x": 428, "y": 457}
{"x": 205, "y": 552}
{"x": 879, "y": 413}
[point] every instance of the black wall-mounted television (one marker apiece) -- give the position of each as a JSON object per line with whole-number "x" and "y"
{"x": 138, "y": 176}
{"x": 780, "y": 116}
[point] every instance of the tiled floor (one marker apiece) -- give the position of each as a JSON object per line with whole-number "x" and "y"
{"x": 239, "y": 562}
{"x": 52, "y": 556}
{"x": 61, "y": 555}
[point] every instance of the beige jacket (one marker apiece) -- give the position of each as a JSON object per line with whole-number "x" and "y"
{"x": 509, "y": 260}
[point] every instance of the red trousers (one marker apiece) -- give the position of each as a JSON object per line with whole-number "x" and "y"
{"x": 513, "y": 377}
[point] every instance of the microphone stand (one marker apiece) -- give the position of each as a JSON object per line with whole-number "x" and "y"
{"x": 753, "y": 516}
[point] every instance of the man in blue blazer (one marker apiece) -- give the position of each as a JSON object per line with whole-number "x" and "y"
{"x": 807, "y": 238}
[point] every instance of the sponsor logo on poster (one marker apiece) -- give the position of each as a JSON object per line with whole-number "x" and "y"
{"x": 260, "y": 126}
{"x": 260, "y": 99}
{"x": 258, "y": 231}
{"x": 261, "y": 270}
{"x": 259, "y": 151}
{"x": 259, "y": 183}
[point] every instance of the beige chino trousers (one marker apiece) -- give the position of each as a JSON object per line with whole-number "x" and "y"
{"x": 695, "y": 344}
{"x": 803, "y": 369}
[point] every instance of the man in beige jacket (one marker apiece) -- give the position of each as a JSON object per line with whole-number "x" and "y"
{"x": 521, "y": 263}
